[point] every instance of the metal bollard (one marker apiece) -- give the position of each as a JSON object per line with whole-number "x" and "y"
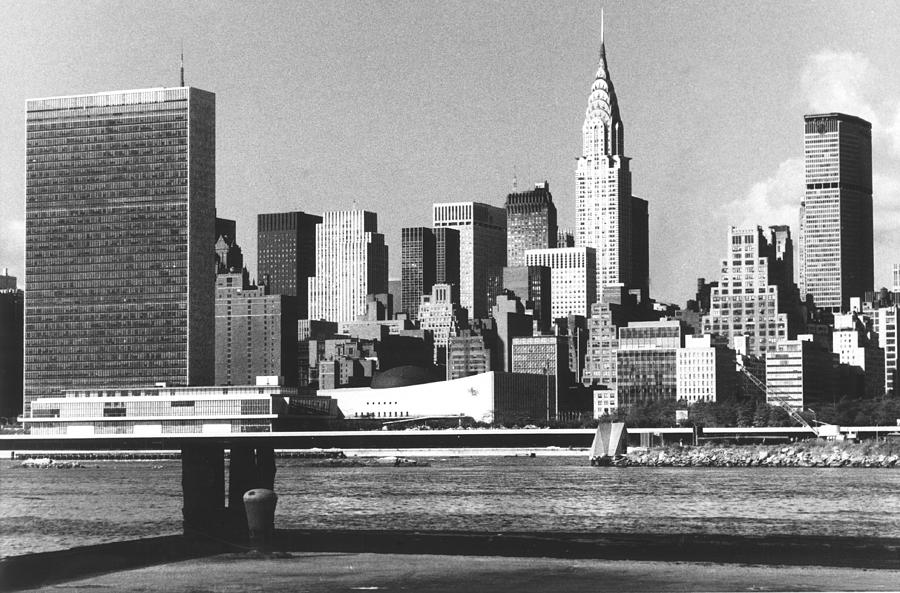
{"x": 259, "y": 504}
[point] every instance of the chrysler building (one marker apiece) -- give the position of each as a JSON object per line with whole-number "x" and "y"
{"x": 607, "y": 217}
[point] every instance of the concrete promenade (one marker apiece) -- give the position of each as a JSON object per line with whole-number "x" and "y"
{"x": 344, "y": 560}
{"x": 335, "y": 571}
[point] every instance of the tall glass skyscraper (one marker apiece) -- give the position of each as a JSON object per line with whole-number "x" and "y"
{"x": 120, "y": 224}
{"x": 417, "y": 267}
{"x": 286, "y": 254}
{"x": 836, "y": 244}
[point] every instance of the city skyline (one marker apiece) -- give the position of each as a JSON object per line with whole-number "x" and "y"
{"x": 400, "y": 88}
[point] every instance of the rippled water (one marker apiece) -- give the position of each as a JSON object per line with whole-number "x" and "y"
{"x": 43, "y": 510}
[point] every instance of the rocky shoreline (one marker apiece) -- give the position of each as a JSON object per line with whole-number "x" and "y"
{"x": 812, "y": 454}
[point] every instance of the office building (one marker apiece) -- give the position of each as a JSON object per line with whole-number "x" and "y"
{"x": 256, "y": 333}
{"x": 468, "y": 354}
{"x": 530, "y": 223}
{"x": 286, "y": 254}
{"x": 548, "y": 356}
{"x": 482, "y": 251}
{"x": 442, "y": 317}
{"x": 120, "y": 221}
{"x": 646, "y": 362}
{"x": 229, "y": 257}
{"x": 417, "y": 267}
{"x": 607, "y": 217}
{"x": 446, "y": 256}
{"x": 857, "y": 347}
{"x": 12, "y": 316}
{"x": 572, "y": 278}
{"x": 532, "y": 284}
{"x": 351, "y": 263}
{"x": 565, "y": 237}
{"x": 510, "y": 321}
{"x": 800, "y": 372}
{"x": 747, "y": 301}
{"x": 705, "y": 370}
{"x": 836, "y": 243}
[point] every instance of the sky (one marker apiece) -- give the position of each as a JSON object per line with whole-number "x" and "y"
{"x": 393, "y": 106}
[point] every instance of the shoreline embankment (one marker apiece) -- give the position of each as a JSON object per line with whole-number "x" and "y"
{"x": 871, "y": 454}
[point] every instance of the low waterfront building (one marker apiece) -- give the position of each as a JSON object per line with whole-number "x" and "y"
{"x": 800, "y": 372}
{"x": 705, "y": 369}
{"x": 646, "y": 361}
{"x": 486, "y": 397}
{"x": 161, "y": 410}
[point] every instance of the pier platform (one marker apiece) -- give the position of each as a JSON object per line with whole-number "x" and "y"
{"x": 356, "y": 560}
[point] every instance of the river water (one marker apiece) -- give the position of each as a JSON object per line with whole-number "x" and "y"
{"x": 50, "y": 509}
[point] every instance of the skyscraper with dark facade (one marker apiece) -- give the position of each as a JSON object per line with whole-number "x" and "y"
{"x": 286, "y": 254}
{"x": 446, "y": 255}
{"x": 836, "y": 243}
{"x": 120, "y": 222}
{"x": 11, "y": 335}
{"x": 530, "y": 223}
{"x": 417, "y": 267}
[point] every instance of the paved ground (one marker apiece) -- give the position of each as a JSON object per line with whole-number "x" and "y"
{"x": 314, "y": 572}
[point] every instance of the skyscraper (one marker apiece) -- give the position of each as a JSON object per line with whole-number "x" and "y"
{"x": 749, "y": 299}
{"x": 120, "y": 224}
{"x": 12, "y": 314}
{"x": 530, "y": 223}
{"x": 351, "y": 263}
{"x": 482, "y": 251}
{"x": 836, "y": 245}
{"x": 446, "y": 256}
{"x": 605, "y": 216}
{"x": 417, "y": 267}
{"x": 286, "y": 254}
{"x": 572, "y": 276}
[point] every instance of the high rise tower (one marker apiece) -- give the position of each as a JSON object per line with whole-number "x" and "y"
{"x": 604, "y": 206}
{"x": 530, "y": 223}
{"x": 482, "y": 251}
{"x": 836, "y": 244}
{"x": 417, "y": 267}
{"x": 351, "y": 263}
{"x": 286, "y": 254}
{"x": 120, "y": 225}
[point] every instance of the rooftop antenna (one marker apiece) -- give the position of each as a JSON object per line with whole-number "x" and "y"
{"x": 601, "y": 25}
{"x": 515, "y": 180}
{"x": 182, "y": 62}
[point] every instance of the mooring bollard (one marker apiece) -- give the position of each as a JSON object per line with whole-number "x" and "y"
{"x": 260, "y": 506}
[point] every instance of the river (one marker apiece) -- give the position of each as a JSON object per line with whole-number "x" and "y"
{"x": 51, "y": 509}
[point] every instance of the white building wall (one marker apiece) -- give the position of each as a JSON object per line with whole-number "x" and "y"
{"x": 573, "y": 287}
{"x": 471, "y": 396}
{"x": 695, "y": 370}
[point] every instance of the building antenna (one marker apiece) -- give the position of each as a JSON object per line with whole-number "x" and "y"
{"x": 601, "y": 25}
{"x": 515, "y": 180}
{"x": 182, "y": 62}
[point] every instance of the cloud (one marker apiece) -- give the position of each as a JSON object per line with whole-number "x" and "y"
{"x": 775, "y": 200}
{"x": 839, "y": 81}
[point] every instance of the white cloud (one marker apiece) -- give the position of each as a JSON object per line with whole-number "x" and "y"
{"x": 839, "y": 81}
{"x": 775, "y": 200}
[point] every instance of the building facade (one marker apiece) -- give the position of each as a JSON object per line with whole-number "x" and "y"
{"x": 120, "y": 221}
{"x": 572, "y": 278}
{"x": 746, "y": 301}
{"x": 12, "y": 317}
{"x": 417, "y": 267}
{"x": 836, "y": 241}
{"x": 607, "y": 217}
{"x": 646, "y": 362}
{"x": 705, "y": 370}
{"x": 446, "y": 257}
{"x": 351, "y": 263}
{"x": 544, "y": 355}
{"x": 160, "y": 410}
{"x": 439, "y": 315}
{"x": 800, "y": 372}
{"x": 256, "y": 333}
{"x": 530, "y": 223}
{"x": 482, "y": 251}
{"x": 467, "y": 354}
{"x": 286, "y": 254}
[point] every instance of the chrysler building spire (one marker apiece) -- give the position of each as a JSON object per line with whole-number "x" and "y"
{"x": 603, "y": 131}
